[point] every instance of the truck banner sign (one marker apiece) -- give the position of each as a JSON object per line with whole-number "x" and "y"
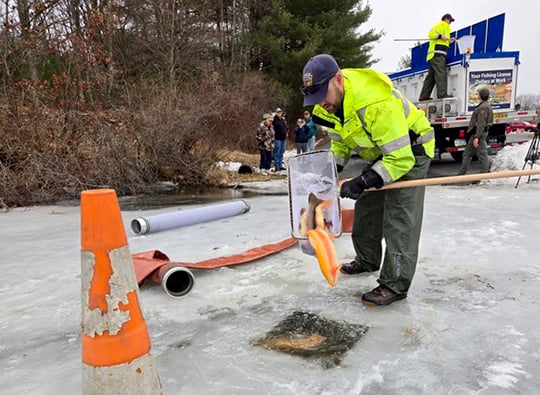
{"x": 499, "y": 83}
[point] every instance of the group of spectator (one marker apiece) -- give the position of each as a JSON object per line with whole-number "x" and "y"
{"x": 272, "y": 138}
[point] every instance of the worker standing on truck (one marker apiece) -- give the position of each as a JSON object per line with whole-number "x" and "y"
{"x": 439, "y": 42}
{"x": 481, "y": 120}
{"x": 366, "y": 115}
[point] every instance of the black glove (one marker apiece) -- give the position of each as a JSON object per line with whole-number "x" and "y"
{"x": 353, "y": 189}
{"x": 339, "y": 168}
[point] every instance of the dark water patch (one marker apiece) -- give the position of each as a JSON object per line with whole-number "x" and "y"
{"x": 188, "y": 196}
{"x": 191, "y": 196}
{"x": 313, "y": 337}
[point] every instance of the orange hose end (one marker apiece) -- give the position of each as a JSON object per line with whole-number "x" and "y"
{"x": 347, "y": 219}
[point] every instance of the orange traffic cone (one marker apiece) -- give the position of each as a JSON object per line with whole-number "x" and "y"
{"x": 115, "y": 341}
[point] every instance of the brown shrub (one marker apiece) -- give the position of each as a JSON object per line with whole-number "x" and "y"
{"x": 160, "y": 132}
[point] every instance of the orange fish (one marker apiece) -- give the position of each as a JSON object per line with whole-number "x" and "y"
{"x": 313, "y": 216}
{"x": 320, "y": 221}
{"x": 326, "y": 254}
{"x": 307, "y": 216}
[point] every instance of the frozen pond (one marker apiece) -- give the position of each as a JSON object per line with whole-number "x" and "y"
{"x": 469, "y": 325}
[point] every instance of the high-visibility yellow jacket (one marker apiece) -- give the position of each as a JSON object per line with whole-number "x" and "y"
{"x": 436, "y": 45}
{"x": 375, "y": 125}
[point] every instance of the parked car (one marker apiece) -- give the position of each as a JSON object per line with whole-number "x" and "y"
{"x": 520, "y": 126}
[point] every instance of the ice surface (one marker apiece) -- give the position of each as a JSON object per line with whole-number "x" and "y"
{"x": 469, "y": 325}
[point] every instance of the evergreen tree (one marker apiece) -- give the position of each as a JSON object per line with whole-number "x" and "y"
{"x": 294, "y": 30}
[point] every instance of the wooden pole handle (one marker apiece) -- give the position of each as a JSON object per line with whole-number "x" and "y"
{"x": 458, "y": 179}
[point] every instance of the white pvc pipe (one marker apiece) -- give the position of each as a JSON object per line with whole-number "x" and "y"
{"x": 157, "y": 223}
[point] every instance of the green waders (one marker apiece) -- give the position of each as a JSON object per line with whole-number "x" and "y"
{"x": 437, "y": 75}
{"x": 481, "y": 153}
{"x": 395, "y": 215}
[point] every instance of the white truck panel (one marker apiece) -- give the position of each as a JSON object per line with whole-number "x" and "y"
{"x": 463, "y": 82}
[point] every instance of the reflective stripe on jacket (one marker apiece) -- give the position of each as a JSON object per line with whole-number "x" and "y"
{"x": 376, "y": 124}
{"x": 437, "y": 46}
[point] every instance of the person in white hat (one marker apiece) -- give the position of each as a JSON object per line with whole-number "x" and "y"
{"x": 265, "y": 142}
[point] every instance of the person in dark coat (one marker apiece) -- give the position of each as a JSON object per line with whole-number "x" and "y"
{"x": 280, "y": 129}
{"x": 301, "y": 136}
{"x": 481, "y": 119}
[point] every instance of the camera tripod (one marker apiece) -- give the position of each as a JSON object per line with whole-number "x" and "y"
{"x": 532, "y": 154}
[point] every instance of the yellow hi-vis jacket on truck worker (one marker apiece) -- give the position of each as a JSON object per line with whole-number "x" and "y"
{"x": 378, "y": 124}
{"x": 436, "y": 45}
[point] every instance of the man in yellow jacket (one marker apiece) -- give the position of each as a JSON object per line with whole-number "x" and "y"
{"x": 439, "y": 42}
{"x": 365, "y": 115}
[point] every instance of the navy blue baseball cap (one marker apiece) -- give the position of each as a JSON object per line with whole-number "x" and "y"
{"x": 447, "y": 16}
{"x": 317, "y": 73}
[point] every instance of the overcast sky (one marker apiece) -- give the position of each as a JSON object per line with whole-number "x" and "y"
{"x": 414, "y": 18}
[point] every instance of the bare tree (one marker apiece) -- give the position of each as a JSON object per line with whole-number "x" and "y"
{"x": 529, "y": 102}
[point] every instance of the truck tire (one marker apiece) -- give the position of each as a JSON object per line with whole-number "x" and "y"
{"x": 457, "y": 156}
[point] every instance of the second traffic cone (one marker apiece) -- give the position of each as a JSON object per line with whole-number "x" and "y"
{"x": 115, "y": 340}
